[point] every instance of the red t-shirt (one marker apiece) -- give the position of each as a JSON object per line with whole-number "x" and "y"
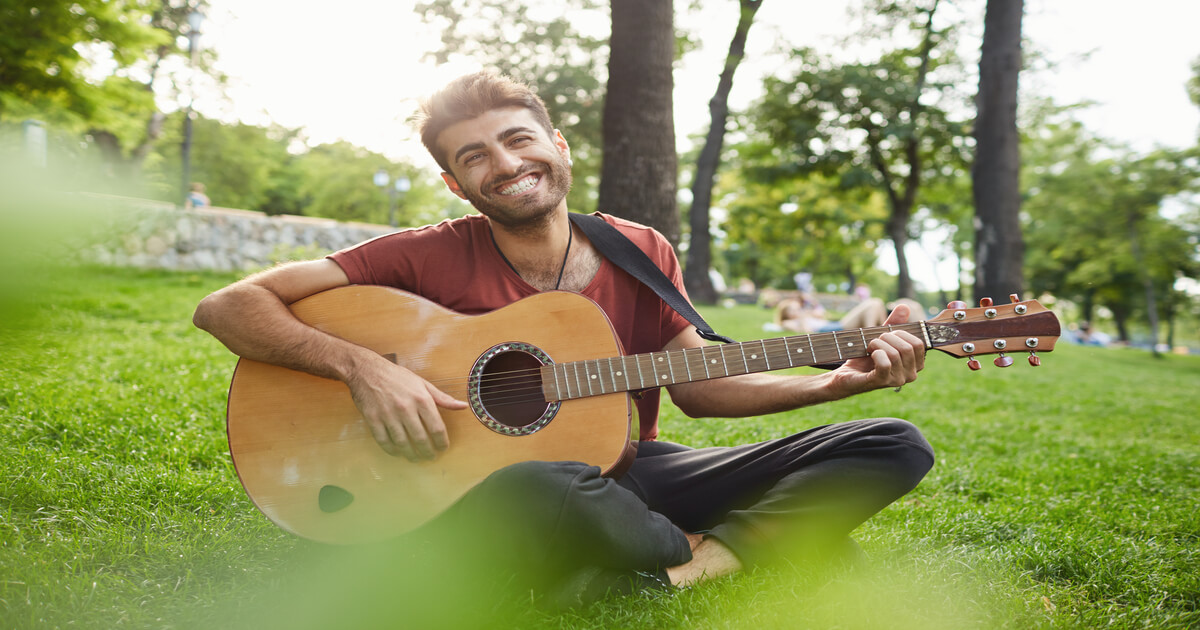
{"x": 456, "y": 264}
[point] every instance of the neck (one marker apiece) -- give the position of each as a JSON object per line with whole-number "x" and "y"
{"x": 539, "y": 254}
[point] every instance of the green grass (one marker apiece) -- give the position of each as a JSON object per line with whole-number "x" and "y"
{"x": 1064, "y": 496}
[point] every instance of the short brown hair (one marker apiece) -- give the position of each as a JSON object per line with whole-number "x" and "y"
{"x": 471, "y": 96}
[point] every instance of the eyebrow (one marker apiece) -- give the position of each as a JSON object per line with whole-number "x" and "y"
{"x": 511, "y": 131}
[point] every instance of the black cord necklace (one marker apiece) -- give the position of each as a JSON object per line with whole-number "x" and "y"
{"x": 561, "y": 268}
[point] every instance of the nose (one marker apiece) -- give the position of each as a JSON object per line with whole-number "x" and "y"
{"x": 506, "y": 162}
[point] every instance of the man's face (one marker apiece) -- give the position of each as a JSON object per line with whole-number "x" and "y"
{"x": 507, "y": 166}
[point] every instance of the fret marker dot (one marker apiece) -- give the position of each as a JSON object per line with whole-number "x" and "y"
{"x": 618, "y": 373}
{"x": 664, "y": 377}
{"x": 660, "y": 359}
{"x": 800, "y": 351}
{"x": 754, "y": 356}
{"x": 593, "y": 377}
{"x": 714, "y": 361}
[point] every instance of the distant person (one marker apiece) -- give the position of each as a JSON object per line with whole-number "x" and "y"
{"x": 196, "y": 197}
{"x": 805, "y": 314}
{"x": 1089, "y": 336}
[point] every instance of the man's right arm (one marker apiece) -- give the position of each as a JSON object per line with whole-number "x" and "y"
{"x": 251, "y": 317}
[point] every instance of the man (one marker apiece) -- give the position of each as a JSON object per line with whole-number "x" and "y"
{"x": 722, "y": 508}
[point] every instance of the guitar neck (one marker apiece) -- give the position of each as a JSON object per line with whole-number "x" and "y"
{"x": 580, "y": 379}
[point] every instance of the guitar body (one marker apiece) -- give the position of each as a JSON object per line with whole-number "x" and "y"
{"x": 309, "y": 462}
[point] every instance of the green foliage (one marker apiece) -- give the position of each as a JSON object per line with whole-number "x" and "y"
{"x": 1064, "y": 496}
{"x": 888, "y": 124}
{"x": 46, "y": 48}
{"x": 1096, "y": 233}
{"x": 800, "y": 225}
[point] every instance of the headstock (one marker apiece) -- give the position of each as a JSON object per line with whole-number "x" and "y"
{"x": 1017, "y": 327}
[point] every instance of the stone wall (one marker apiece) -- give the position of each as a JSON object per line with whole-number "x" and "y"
{"x": 161, "y": 236}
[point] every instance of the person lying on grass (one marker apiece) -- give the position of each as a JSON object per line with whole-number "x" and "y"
{"x": 678, "y": 515}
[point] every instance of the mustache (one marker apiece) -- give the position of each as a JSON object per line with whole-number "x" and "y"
{"x": 504, "y": 177}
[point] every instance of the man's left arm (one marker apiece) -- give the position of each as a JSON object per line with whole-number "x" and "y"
{"x": 895, "y": 359}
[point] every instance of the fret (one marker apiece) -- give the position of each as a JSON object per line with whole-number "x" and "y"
{"x": 596, "y": 377}
{"x": 664, "y": 358}
{"x": 557, "y": 386}
{"x": 863, "y": 334}
{"x": 687, "y": 364}
{"x": 745, "y": 362}
{"x": 585, "y": 382}
{"x": 837, "y": 345}
{"x": 625, "y": 370}
{"x": 766, "y": 353}
{"x": 613, "y": 374}
{"x": 812, "y": 350}
{"x": 724, "y": 360}
{"x": 637, "y": 362}
{"x": 704, "y": 361}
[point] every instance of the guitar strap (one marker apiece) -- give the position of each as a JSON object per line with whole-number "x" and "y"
{"x": 617, "y": 247}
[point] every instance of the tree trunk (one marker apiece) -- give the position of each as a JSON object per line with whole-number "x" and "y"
{"x": 638, "y": 177}
{"x": 699, "y": 256}
{"x": 897, "y": 227}
{"x": 999, "y": 246}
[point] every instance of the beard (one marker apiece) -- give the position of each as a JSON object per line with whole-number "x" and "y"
{"x": 529, "y": 211}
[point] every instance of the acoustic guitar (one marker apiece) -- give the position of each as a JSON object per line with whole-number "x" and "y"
{"x": 546, "y": 379}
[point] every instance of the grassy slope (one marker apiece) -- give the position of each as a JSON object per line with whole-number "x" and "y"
{"x": 1064, "y": 496}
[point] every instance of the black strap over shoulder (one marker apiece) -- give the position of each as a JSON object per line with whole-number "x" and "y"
{"x": 617, "y": 247}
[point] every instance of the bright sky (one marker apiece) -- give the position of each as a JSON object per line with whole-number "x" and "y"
{"x": 354, "y": 71}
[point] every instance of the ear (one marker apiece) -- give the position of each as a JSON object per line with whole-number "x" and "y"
{"x": 563, "y": 147}
{"x": 452, "y": 184}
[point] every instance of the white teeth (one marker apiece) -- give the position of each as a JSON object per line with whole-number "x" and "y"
{"x": 521, "y": 186}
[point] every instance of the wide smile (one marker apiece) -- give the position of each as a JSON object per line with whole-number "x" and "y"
{"x": 520, "y": 186}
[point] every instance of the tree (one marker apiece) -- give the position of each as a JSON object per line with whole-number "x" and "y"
{"x": 777, "y": 229}
{"x": 640, "y": 167}
{"x": 1096, "y": 231}
{"x": 699, "y": 254}
{"x": 43, "y": 61}
{"x": 884, "y": 124}
{"x": 999, "y": 247}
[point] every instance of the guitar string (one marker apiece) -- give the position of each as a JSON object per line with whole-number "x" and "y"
{"x": 773, "y": 352}
{"x": 519, "y": 386}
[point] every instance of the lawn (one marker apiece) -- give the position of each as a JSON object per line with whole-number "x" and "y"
{"x": 1064, "y": 495}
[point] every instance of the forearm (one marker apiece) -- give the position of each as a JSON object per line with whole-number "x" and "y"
{"x": 254, "y": 323}
{"x": 755, "y": 394}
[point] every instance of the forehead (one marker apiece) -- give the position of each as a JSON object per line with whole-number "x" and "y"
{"x": 485, "y": 128}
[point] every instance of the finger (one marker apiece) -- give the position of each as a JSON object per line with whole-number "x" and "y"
{"x": 899, "y": 315}
{"x": 444, "y": 400}
{"x": 380, "y": 432}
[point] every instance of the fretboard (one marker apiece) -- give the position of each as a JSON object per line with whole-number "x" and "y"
{"x": 580, "y": 379}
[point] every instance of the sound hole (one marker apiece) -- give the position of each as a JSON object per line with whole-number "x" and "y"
{"x": 510, "y": 389}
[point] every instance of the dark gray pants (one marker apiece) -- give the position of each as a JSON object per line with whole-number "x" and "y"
{"x": 798, "y": 495}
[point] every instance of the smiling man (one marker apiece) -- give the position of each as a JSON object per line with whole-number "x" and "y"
{"x": 678, "y": 515}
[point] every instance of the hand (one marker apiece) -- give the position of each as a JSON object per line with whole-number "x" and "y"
{"x": 401, "y": 409}
{"x": 894, "y": 360}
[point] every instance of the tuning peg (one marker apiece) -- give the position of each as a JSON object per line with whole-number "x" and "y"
{"x": 1034, "y": 359}
{"x": 973, "y": 363}
{"x": 1003, "y": 360}
{"x": 985, "y": 302}
{"x": 956, "y": 304}
{"x": 1014, "y": 297}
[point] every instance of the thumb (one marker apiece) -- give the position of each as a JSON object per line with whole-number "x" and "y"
{"x": 899, "y": 315}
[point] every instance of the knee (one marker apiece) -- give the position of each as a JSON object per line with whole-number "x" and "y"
{"x": 909, "y": 453}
